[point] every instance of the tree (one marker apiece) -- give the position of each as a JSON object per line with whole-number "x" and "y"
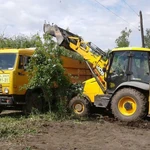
{"x": 17, "y": 41}
{"x": 46, "y": 71}
{"x": 123, "y": 39}
{"x": 147, "y": 38}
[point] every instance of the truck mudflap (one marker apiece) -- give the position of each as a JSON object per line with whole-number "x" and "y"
{"x": 5, "y": 100}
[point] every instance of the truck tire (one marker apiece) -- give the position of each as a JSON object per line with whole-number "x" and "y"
{"x": 33, "y": 102}
{"x": 129, "y": 105}
{"x": 80, "y": 106}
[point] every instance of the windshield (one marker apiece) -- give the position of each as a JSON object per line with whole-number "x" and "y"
{"x": 7, "y": 61}
{"x": 117, "y": 73}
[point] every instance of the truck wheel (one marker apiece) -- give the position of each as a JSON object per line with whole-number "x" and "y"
{"x": 128, "y": 105}
{"x": 33, "y": 102}
{"x": 80, "y": 106}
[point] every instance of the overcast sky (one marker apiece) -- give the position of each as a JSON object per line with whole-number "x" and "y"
{"x": 86, "y": 18}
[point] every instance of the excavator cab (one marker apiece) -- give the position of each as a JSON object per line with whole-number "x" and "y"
{"x": 128, "y": 79}
{"x": 128, "y": 65}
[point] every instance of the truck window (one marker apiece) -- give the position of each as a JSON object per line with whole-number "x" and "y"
{"x": 20, "y": 66}
{"x": 7, "y": 61}
{"x": 23, "y": 61}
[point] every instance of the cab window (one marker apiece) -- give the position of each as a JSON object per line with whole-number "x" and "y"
{"x": 23, "y": 61}
{"x": 140, "y": 66}
{"x": 118, "y": 68}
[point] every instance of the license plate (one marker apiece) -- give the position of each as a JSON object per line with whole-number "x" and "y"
{"x": 4, "y": 78}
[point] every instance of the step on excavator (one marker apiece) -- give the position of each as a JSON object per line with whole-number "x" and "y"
{"x": 120, "y": 82}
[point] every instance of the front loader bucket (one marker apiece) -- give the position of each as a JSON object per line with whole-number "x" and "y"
{"x": 61, "y": 35}
{"x": 53, "y": 31}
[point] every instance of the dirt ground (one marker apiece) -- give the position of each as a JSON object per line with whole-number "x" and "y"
{"x": 103, "y": 134}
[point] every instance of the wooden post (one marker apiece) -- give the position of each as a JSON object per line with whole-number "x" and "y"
{"x": 142, "y": 31}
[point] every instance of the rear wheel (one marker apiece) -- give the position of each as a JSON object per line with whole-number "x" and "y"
{"x": 79, "y": 106}
{"x": 34, "y": 102}
{"x": 128, "y": 105}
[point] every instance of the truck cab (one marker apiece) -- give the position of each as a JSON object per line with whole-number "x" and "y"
{"x": 13, "y": 76}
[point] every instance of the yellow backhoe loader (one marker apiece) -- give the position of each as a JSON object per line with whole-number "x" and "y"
{"x": 120, "y": 83}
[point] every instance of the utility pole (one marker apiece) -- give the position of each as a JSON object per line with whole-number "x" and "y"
{"x": 141, "y": 28}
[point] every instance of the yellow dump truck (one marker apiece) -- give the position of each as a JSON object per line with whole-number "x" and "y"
{"x": 13, "y": 75}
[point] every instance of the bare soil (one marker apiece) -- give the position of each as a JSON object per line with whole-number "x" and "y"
{"x": 97, "y": 134}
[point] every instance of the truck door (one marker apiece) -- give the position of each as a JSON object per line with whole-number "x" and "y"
{"x": 21, "y": 74}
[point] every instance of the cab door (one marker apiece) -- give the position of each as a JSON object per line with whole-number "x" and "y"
{"x": 119, "y": 69}
{"x": 140, "y": 67}
{"x": 21, "y": 77}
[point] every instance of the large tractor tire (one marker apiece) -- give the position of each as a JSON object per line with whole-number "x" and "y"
{"x": 33, "y": 103}
{"x": 129, "y": 105}
{"x": 80, "y": 106}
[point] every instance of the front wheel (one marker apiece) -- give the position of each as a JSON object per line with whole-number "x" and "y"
{"x": 80, "y": 106}
{"x": 128, "y": 105}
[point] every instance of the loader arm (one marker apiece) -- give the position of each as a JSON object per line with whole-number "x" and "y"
{"x": 87, "y": 50}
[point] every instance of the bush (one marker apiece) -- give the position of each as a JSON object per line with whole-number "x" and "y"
{"x": 46, "y": 71}
{"x": 17, "y": 41}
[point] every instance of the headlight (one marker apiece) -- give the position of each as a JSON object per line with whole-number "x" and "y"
{"x": 6, "y": 91}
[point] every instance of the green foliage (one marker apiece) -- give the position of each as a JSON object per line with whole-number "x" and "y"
{"x": 147, "y": 38}
{"x": 46, "y": 71}
{"x": 123, "y": 39}
{"x": 15, "y": 126}
{"x": 17, "y": 41}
